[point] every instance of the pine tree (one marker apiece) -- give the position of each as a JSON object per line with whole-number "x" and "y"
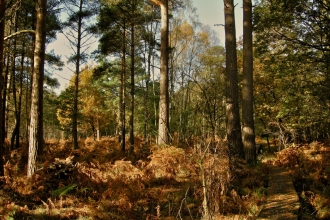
{"x": 233, "y": 126}
{"x": 247, "y": 95}
{"x": 163, "y": 125}
{"x": 36, "y": 121}
{"x": 78, "y": 33}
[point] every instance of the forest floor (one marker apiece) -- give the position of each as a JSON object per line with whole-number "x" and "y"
{"x": 282, "y": 200}
{"x": 98, "y": 181}
{"x": 298, "y": 186}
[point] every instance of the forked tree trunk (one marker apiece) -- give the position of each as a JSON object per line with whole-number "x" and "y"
{"x": 36, "y": 122}
{"x": 247, "y": 96}
{"x": 233, "y": 126}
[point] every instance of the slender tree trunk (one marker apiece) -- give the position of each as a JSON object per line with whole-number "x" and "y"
{"x": 36, "y": 123}
{"x": 28, "y": 96}
{"x": 2, "y": 112}
{"x": 10, "y": 80}
{"x": 131, "y": 149}
{"x": 20, "y": 93}
{"x": 146, "y": 97}
{"x": 122, "y": 123}
{"x": 247, "y": 96}
{"x": 13, "y": 80}
{"x": 153, "y": 84}
{"x": 7, "y": 82}
{"x": 18, "y": 105}
{"x": 97, "y": 129}
{"x": 154, "y": 91}
{"x": 76, "y": 83}
{"x": 233, "y": 126}
{"x": 163, "y": 124}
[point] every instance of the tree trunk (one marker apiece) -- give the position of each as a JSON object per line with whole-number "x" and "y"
{"x": 97, "y": 129}
{"x": 6, "y": 83}
{"x": 11, "y": 83}
{"x": 76, "y": 83}
{"x": 122, "y": 123}
{"x": 12, "y": 139}
{"x": 247, "y": 96}
{"x": 233, "y": 127}
{"x": 2, "y": 112}
{"x": 146, "y": 97}
{"x": 36, "y": 123}
{"x": 20, "y": 93}
{"x": 131, "y": 139}
{"x": 163, "y": 124}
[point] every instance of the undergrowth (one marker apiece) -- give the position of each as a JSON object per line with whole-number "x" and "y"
{"x": 311, "y": 173}
{"x": 98, "y": 181}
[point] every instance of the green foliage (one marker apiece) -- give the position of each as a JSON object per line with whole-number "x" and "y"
{"x": 63, "y": 190}
{"x": 291, "y": 66}
{"x": 65, "y": 108}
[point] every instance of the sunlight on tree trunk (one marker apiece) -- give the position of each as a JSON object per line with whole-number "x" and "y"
{"x": 36, "y": 123}
{"x": 233, "y": 125}
{"x": 248, "y": 135}
{"x": 163, "y": 126}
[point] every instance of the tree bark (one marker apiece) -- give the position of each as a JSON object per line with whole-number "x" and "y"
{"x": 76, "y": 83}
{"x": 2, "y": 34}
{"x": 131, "y": 149}
{"x": 146, "y": 97}
{"x": 248, "y": 135}
{"x": 233, "y": 126}
{"x": 7, "y": 85}
{"x": 122, "y": 121}
{"x": 163, "y": 125}
{"x": 14, "y": 91}
{"x": 36, "y": 122}
{"x": 20, "y": 93}
{"x": 10, "y": 82}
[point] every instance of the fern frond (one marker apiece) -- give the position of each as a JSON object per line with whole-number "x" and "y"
{"x": 63, "y": 190}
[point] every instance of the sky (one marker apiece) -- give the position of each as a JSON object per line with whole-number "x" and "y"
{"x": 210, "y": 12}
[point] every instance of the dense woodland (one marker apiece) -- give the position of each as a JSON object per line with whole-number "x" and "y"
{"x": 167, "y": 123}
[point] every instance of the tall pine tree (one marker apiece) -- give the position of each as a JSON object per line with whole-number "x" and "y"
{"x": 36, "y": 116}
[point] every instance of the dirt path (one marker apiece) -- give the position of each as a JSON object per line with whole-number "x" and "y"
{"x": 282, "y": 201}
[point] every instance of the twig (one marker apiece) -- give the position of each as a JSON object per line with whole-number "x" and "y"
{"x": 184, "y": 199}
